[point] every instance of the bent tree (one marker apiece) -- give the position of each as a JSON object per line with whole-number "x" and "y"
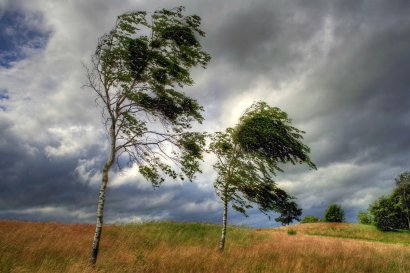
{"x": 247, "y": 159}
{"x": 137, "y": 73}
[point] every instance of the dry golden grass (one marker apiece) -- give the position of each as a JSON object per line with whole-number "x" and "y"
{"x": 189, "y": 247}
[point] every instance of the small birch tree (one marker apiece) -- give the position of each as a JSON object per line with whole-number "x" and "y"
{"x": 137, "y": 73}
{"x": 248, "y": 157}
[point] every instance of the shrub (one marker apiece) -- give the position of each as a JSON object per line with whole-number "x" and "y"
{"x": 291, "y": 232}
{"x": 388, "y": 214}
{"x": 310, "y": 219}
{"x": 365, "y": 218}
{"x": 334, "y": 213}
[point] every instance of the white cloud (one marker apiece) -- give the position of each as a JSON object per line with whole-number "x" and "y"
{"x": 71, "y": 141}
{"x": 88, "y": 172}
{"x": 130, "y": 176}
{"x": 206, "y": 206}
{"x": 138, "y": 219}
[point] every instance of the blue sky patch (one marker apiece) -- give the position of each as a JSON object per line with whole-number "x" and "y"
{"x": 4, "y": 95}
{"x": 21, "y": 35}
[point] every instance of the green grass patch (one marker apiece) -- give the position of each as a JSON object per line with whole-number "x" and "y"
{"x": 292, "y": 232}
{"x": 353, "y": 231}
{"x": 182, "y": 233}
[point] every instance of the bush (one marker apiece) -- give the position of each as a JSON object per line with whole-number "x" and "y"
{"x": 291, "y": 232}
{"x": 310, "y": 219}
{"x": 388, "y": 214}
{"x": 334, "y": 213}
{"x": 364, "y": 218}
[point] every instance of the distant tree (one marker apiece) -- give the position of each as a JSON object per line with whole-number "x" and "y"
{"x": 135, "y": 72}
{"x": 310, "y": 219}
{"x": 388, "y": 214}
{"x": 402, "y": 192}
{"x": 392, "y": 212}
{"x": 364, "y": 218}
{"x": 248, "y": 157}
{"x": 334, "y": 213}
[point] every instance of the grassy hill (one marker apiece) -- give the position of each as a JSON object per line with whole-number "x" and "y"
{"x": 192, "y": 247}
{"x": 350, "y": 231}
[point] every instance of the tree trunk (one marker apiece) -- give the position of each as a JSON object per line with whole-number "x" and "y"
{"x": 224, "y": 220}
{"x": 101, "y": 199}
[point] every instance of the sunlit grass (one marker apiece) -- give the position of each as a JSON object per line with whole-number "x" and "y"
{"x": 193, "y": 247}
{"x": 351, "y": 231}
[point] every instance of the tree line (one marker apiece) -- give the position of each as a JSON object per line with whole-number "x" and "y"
{"x": 334, "y": 213}
{"x": 138, "y": 72}
{"x": 388, "y": 212}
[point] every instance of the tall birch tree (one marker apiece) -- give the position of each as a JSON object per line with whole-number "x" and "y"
{"x": 248, "y": 157}
{"x": 137, "y": 72}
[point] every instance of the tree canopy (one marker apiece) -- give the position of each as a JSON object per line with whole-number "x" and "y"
{"x": 387, "y": 213}
{"x": 365, "y": 218}
{"x": 334, "y": 213}
{"x": 266, "y": 132}
{"x": 393, "y": 211}
{"x": 137, "y": 71}
{"x": 402, "y": 193}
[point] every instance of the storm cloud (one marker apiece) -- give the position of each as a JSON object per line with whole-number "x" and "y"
{"x": 339, "y": 69}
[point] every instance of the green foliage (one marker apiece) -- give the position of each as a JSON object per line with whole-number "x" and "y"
{"x": 393, "y": 212}
{"x": 334, "y": 213}
{"x": 388, "y": 214}
{"x": 364, "y": 218}
{"x": 287, "y": 207}
{"x": 403, "y": 178}
{"x": 245, "y": 170}
{"x": 266, "y": 131}
{"x": 291, "y": 232}
{"x": 137, "y": 72}
{"x": 310, "y": 219}
{"x": 402, "y": 193}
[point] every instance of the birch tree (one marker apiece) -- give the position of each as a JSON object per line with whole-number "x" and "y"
{"x": 137, "y": 72}
{"x": 248, "y": 158}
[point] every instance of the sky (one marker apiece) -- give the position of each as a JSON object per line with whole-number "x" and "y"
{"x": 340, "y": 69}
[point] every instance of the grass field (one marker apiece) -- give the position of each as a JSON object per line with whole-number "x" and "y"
{"x": 192, "y": 247}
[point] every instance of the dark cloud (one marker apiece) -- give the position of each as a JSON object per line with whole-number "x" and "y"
{"x": 30, "y": 179}
{"x": 22, "y": 34}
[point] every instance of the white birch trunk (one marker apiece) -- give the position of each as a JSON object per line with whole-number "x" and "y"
{"x": 224, "y": 221}
{"x": 101, "y": 200}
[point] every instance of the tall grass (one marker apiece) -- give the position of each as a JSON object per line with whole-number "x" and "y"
{"x": 188, "y": 247}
